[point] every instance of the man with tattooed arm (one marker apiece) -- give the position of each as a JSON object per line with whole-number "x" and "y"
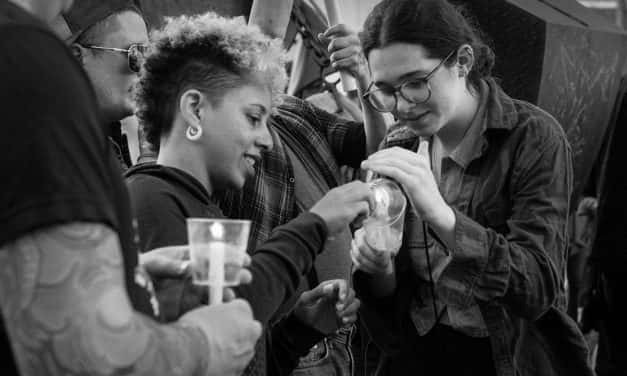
{"x": 71, "y": 294}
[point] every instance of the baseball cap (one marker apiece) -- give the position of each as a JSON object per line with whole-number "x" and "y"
{"x": 86, "y": 13}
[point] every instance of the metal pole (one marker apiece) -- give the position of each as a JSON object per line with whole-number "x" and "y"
{"x": 272, "y": 16}
{"x": 621, "y": 8}
{"x": 333, "y": 15}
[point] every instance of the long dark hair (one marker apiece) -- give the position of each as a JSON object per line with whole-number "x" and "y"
{"x": 436, "y": 25}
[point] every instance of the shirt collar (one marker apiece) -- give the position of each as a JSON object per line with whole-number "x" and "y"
{"x": 471, "y": 144}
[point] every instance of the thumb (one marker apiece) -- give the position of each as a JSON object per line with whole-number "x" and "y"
{"x": 423, "y": 150}
{"x": 342, "y": 293}
{"x": 166, "y": 267}
{"x": 323, "y": 290}
{"x": 342, "y": 289}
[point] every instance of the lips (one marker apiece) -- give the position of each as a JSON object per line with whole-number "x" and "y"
{"x": 416, "y": 121}
{"x": 252, "y": 160}
{"x": 412, "y": 118}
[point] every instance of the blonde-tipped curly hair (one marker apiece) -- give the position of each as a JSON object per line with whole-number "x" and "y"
{"x": 209, "y": 53}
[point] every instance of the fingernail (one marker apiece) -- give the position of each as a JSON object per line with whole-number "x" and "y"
{"x": 339, "y": 306}
{"x": 183, "y": 267}
{"x": 344, "y": 320}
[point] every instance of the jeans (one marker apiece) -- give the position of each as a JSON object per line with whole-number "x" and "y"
{"x": 332, "y": 356}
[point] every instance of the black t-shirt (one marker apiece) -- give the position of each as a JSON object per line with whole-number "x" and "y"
{"x": 56, "y": 163}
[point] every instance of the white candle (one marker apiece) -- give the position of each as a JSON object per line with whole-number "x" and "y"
{"x": 216, "y": 271}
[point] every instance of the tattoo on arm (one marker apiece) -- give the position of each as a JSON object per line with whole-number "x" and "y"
{"x": 67, "y": 312}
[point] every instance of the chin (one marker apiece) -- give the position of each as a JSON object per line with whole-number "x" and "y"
{"x": 422, "y": 129}
{"x": 237, "y": 182}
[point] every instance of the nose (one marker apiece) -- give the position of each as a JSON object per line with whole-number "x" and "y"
{"x": 403, "y": 106}
{"x": 264, "y": 141}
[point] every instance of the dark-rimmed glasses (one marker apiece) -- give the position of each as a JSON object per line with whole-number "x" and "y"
{"x": 135, "y": 54}
{"x": 415, "y": 90}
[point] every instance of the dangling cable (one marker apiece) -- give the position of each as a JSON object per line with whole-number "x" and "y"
{"x": 429, "y": 269}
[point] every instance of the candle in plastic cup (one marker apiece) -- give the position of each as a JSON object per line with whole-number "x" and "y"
{"x": 384, "y": 227}
{"x": 217, "y": 249}
{"x": 227, "y": 263}
{"x": 382, "y": 236}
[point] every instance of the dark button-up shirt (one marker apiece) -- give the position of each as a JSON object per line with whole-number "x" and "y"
{"x": 510, "y": 242}
{"x": 448, "y": 169}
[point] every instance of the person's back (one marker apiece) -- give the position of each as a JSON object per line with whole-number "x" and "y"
{"x": 10, "y": 17}
{"x": 68, "y": 263}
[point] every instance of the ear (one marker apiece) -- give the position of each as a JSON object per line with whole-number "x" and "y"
{"x": 191, "y": 104}
{"x": 79, "y": 52}
{"x": 465, "y": 59}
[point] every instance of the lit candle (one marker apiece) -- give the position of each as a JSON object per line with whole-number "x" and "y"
{"x": 217, "y": 249}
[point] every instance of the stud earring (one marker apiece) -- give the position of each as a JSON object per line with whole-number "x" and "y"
{"x": 193, "y": 133}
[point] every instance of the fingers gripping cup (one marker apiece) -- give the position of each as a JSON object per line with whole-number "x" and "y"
{"x": 384, "y": 226}
{"x": 217, "y": 250}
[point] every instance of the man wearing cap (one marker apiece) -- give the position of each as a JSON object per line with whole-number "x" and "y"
{"x": 109, "y": 39}
{"x": 69, "y": 297}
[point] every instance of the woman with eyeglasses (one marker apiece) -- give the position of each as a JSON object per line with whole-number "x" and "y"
{"x": 477, "y": 287}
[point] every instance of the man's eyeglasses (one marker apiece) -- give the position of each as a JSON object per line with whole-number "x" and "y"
{"x": 135, "y": 54}
{"x": 414, "y": 90}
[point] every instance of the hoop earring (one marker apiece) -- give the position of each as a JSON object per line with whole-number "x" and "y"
{"x": 193, "y": 133}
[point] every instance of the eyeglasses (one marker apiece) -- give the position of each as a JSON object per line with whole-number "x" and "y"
{"x": 413, "y": 90}
{"x": 135, "y": 54}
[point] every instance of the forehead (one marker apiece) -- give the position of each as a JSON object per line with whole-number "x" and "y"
{"x": 249, "y": 94}
{"x": 390, "y": 63}
{"x": 122, "y": 29}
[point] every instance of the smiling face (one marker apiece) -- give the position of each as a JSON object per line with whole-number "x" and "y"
{"x": 235, "y": 134}
{"x": 109, "y": 71}
{"x": 398, "y": 62}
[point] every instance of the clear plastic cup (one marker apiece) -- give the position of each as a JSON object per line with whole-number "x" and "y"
{"x": 217, "y": 248}
{"x": 384, "y": 226}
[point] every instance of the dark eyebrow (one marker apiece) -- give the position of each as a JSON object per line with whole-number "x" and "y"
{"x": 419, "y": 73}
{"x": 261, "y": 108}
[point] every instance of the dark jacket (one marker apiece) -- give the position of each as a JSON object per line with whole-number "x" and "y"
{"x": 163, "y": 197}
{"x": 510, "y": 248}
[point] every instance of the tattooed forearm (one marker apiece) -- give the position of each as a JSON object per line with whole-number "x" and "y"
{"x": 67, "y": 311}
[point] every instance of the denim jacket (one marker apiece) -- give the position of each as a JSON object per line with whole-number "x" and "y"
{"x": 509, "y": 256}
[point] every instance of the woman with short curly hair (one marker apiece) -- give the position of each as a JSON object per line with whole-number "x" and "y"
{"x": 211, "y": 54}
{"x": 205, "y": 93}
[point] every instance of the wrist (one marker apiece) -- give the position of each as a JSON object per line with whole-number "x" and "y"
{"x": 199, "y": 342}
{"x": 441, "y": 218}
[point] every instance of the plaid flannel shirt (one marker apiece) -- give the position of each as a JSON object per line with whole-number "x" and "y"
{"x": 324, "y": 142}
{"x": 510, "y": 248}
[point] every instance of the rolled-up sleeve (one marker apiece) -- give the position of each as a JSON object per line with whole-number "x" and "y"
{"x": 347, "y": 139}
{"x": 521, "y": 266}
